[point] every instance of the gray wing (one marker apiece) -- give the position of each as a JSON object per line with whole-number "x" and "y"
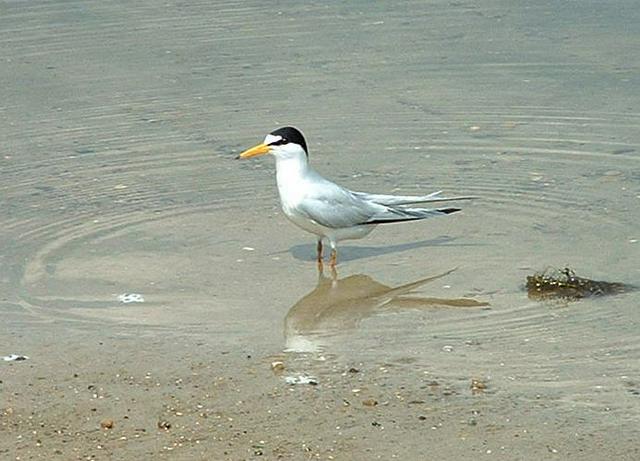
{"x": 332, "y": 206}
{"x": 345, "y": 209}
{"x": 338, "y": 209}
{"x": 395, "y": 200}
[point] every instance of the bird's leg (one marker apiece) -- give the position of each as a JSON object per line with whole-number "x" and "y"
{"x": 319, "y": 258}
{"x": 334, "y": 276}
{"x": 333, "y": 258}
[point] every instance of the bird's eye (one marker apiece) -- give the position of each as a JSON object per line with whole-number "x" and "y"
{"x": 280, "y": 142}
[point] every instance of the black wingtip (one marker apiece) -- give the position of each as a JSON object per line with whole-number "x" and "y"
{"x": 449, "y": 210}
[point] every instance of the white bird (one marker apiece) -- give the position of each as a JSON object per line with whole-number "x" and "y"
{"x": 327, "y": 210}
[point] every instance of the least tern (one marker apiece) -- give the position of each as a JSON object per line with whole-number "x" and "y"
{"x": 327, "y": 210}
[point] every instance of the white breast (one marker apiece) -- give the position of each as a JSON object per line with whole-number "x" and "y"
{"x": 293, "y": 177}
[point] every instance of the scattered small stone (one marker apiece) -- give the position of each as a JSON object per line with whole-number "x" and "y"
{"x": 478, "y": 386}
{"x": 370, "y": 402}
{"x": 162, "y": 424}
{"x": 107, "y": 423}
{"x": 447, "y": 348}
{"x": 15, "y": 358}
{"x": 422, "y": 418}
{"x": 277, "y": 366}
{"x": 353, "y": 370}
{"x": 302, "y": 379}
{"x": 127, "y": 298}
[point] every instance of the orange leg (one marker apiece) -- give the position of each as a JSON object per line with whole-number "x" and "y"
{"x": 334, "y": 276}
{"x": 333, "y": 259}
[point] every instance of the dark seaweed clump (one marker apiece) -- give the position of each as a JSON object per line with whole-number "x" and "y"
{"x": 565, "y": 284}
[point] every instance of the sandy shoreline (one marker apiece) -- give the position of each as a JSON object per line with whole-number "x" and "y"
{"x": 188, "y": 398}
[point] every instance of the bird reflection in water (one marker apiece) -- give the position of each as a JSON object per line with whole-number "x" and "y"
{"x": 339, "y": 305}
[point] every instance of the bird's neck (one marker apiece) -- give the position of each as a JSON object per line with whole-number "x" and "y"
{"x": 290, "y": 174}
{"x": 291, "y": 169}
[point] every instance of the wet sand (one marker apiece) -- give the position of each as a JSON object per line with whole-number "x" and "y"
{"x": 119, "y": 126}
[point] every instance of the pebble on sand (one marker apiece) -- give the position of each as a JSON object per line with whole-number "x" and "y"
{"x": 107, "y": 423}
{"x": 370, "y": 402}
{"x": 127, "y": 298}
{"x": 15, "y": 358}
{"x": 166, "y": 425}
{"x": 478, "y": 386}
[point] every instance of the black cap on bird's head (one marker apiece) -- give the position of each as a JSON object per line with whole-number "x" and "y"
{"x": 280, "y": 137}
{"x": 289, "y": 134}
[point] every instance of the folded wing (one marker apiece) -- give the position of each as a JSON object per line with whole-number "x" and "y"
{"x": 395, "y": 200}
{"x": 348, "y": 210}
{"x": 338, "y": 211}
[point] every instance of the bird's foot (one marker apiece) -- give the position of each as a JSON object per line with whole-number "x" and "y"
{"x": 332, "y": 272}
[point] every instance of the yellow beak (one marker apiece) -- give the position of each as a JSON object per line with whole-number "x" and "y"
{"x": 260, "y": 149}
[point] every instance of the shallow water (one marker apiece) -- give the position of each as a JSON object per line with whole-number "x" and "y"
{"x": 120, "y": 123}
